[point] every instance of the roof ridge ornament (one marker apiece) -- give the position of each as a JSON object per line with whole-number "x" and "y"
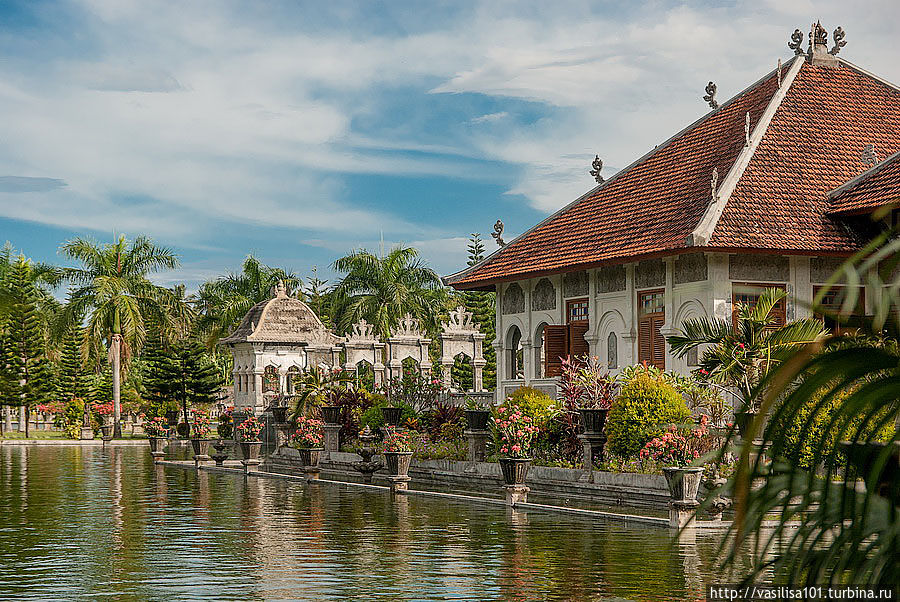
{"x": 839, "y": 41}
{"x": 796, "y": 43}
{"x": 714, "y": 183}
{"x": 747, "y": 129}
{"x": 869, "y": 156}
{"x": 597, "y": 165}
{"x": 279, "y": 291}
{"x": 711, "y": 95}
{"x": 778, "y": 69}
{"x": 497, "y": 234}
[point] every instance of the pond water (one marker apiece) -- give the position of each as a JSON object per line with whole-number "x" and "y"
{"x": 108, "y": 524}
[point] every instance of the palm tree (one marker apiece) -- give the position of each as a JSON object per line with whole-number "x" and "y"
{"x": 383, "y": 289}
{"x": 741, "y": 353}
{"x": 222, "y": 303}
{"x": 111, "y": 288}
{"x": 839, "y": 521}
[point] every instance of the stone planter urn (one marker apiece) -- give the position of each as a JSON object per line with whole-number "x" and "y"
{"x": 172, "y": 417}
{"x": 156, "y": 444}
{"x": 477, "y": 420}
{"x": 309, "y": 456}
{"x": 201, "y": 447}
{"x": 398, "y": 463}
{"x": 331, "y": 414}
{"x": 106, "y": 430}
{"x": 684, "y": 483}
{"x": 221, "y": 455}
{"x": 743, "y": 420}
{"x": 250, "y": 450}
{"x": 514, "y": 470}
{"x": 392, "y": 415}
{"x": 593, "y": 420}
{"x": 279, "y": 414}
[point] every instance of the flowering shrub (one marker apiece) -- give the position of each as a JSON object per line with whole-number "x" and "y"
{"x": 396, "y": 441}
{"x": 156, "y": 427}
{"x": 516, "y": 430}
{"x": 309, "y": 433}
{"x": 226, "y": 423}
{"x": 200, "y": 425}
{"x": 249, "y": 430}
{"x": 104, "y": 409}
{"x": 53, "y": 407}
{"x": 675, "y": 449}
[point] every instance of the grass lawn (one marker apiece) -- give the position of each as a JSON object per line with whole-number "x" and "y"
{"x": 36, "y": 434}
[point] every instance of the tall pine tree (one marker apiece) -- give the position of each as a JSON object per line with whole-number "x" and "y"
{"x": 74, "y": 379}
{"x": 26, "y": 369}
{"x": 184, "y": 374}
{"x": 481, "y": 304}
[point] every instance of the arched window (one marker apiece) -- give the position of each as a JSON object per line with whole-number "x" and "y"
{"x": 270, "y": 379}
{"x": 514, "y": 361}
{"x": 692, "y": 357}
{"x": 612, "y": 351}
{"x": 293, "y": 374}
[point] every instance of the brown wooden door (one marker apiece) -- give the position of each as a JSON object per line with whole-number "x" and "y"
{"x": 556, "y": 345}
{"x": 651, "y": 316}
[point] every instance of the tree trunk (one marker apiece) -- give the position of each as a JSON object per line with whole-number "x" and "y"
{"x": 115, "y": 355}
{"x": 27, "y": 418}
{"x": 22, "y": 422}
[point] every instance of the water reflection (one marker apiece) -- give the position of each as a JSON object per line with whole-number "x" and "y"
{"x": 107, "y": 521}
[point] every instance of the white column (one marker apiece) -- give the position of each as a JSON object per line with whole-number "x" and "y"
{"x": 802, "y": 295}
{"x": 629, "y": 337}
{"x": 527, "y": 354}
{"x": 593, "y": 315}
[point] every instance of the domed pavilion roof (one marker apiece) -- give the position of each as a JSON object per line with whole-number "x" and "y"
{"x": 281, "y": 319}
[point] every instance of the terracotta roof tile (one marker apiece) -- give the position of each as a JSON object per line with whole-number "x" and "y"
{"x": 812, "y": 145}
{"x": 875, "y": 188}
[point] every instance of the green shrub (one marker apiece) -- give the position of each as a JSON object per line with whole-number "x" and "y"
{"x": 539, "y": 406}
{"x": 375, "y": 420}
{"x": 801, "y": 447}
{"x": 73, "y": 417}
{"x": 646, "y": 405}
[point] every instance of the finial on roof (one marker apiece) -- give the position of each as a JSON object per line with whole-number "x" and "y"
{"x": 817, "y": 36}
{"x": 497, "y": 234}
{"x": 747, "y": 129}
{"x": 796, "y": 43}
{"x": 818, "y": 54}
{"x": 714, "y": 183}
{"x": 280, "y": 290}
{"x": 839, "y": 41}
{"x": 778, "y": 69}
{"x": 869, "y": 156}
{"x": 711, "y": 95}
{"x": 597, "y": 165}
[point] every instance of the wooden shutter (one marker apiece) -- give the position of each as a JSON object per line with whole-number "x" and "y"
{"x": 556, "y": 346}
{"x": 645, "y": 340}
{"x": 658, "y": 347}
{"x": 578, "y": 346}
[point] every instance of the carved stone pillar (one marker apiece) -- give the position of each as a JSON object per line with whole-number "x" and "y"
{"x": 332, "y": 438}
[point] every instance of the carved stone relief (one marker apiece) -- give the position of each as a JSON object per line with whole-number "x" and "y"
{"x": 544, "y": 295}
{"x": 611, "y": 279}
{"x": 513, "y": 301}
{"x": 690, "y": 267}
{"x": 765, "y": 268}
{"x": 575, "y": 284}
{"x": 650, "y": 273}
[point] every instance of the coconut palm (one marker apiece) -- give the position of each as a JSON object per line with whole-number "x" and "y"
{"x": 741, "y": 353}
{"x": 838, "y": 522}
{"x": 222, "y": 303}
{"x": 111, "y": 288}
{"x": 382, "y": 290}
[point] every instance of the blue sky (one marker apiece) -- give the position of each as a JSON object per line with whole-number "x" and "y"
{"x": 297, "y": 131}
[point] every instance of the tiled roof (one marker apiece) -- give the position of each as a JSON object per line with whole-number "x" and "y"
{"x": 875, "y": 188}
{"x": 281, "y": 319}
{"x": 812, "y": 144}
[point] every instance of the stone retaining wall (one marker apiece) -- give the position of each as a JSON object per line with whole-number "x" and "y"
{"x": 606, "y": 488}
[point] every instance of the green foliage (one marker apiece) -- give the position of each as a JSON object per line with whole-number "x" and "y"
{"x": 74, "y": 379}
{"x": 645, "y": 406}
{"x": 184, "y": 375}
{"x": 536, "y": 405}
{"x": 73, "y": 417}
{"x": 373, "y": 418}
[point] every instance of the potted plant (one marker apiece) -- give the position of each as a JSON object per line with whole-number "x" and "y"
{"x": 105, "y": 412}
{"x": 200, "y": 429}
{"x": 225, "y": 428}
{"x": 392, "y": 415}
{"x": 597, "y": 391}
{"x": 157, "y": 430}
{"x": 677, "y": 452}
{"x": 397, "y": 451}
{"x": 476, "y": 416}
{"x": 308, "y": 438}
{"x": 331, "y": 414}
{"x": 248, "y": 436}
{"x": 172, "y": 417}
{"x": 516, "y": 431}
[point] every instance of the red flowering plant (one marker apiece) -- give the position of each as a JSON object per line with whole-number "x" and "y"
{"x": 516, "y": 430}
{"x": 396, "y": 440}
{"x": 201, "y": 424}
{"x": 53, "y": 407}
{"x": 104, "y": 409}
{"x": 156, "y": 427}
{"x": 248, "y": 431}
{"x": 676, "y": 449}
{"x": 308, "y": 434}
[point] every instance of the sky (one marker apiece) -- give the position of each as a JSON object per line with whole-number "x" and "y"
{"x": 299, "y": 131}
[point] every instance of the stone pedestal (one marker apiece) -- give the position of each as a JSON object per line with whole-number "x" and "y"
{"x": 476, "y": 440}
{"x": 516, "y": 494}
{"x": 399, "y": 483}
{"x": 250, "y": 464}
{"x": 158, "y": 456}
{"x": 282, "y": 434}
{"x": 681, "y": 514}
{"x": 87, "y": 432}
{"x": 200, "y": 459}
{"x": 332, "y": 438}
{"x": 592, "y": 446}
